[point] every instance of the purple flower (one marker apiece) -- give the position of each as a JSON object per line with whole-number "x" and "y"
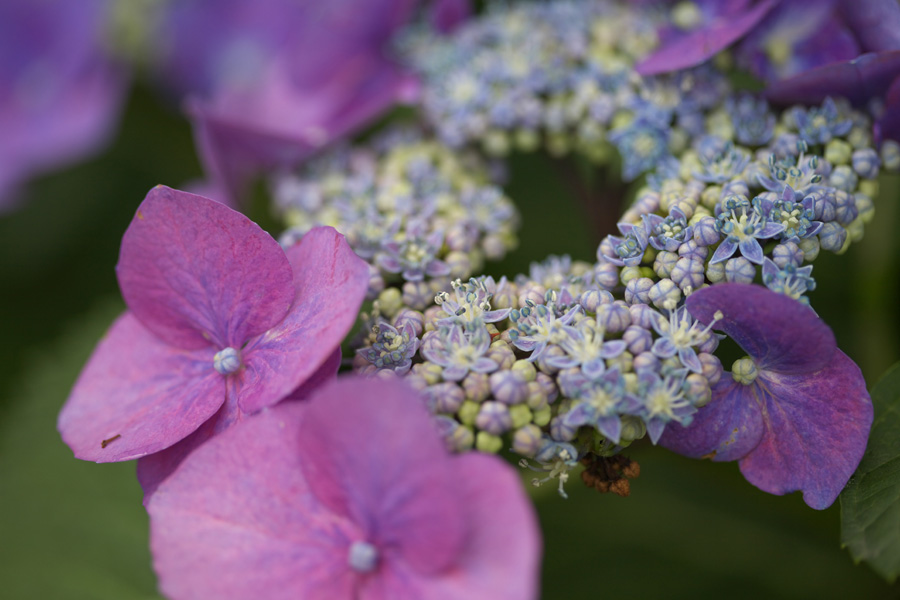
{"x": 221, "y": 323}
{"x": 288, "y": 505}
{"x": 60, "y": 95}
{"x": 281, "y": 78}
{"x": 720, "y": 25}
{"x": 796, "y": 413}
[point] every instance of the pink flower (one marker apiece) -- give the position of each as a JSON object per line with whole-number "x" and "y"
{"x": 350, "y": 495}
{"x": 221, "y": 323}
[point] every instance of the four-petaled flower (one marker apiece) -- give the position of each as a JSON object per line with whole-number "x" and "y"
{"x": 221, "y": 323}
{"x": 796, "y": 413}
{"x": 351, "y": 495}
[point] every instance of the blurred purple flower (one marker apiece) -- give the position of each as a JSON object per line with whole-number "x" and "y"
{"x": 221, "y": 323}
{"x": 288, "y": 505}
{"x": 799, "y": 417}
{"x": 272, "y": 81}
{"x": 782, "y": 38}
{"x": 60, "y": 94}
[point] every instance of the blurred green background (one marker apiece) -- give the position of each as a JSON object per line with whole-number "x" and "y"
{"x": 70, "y": 529}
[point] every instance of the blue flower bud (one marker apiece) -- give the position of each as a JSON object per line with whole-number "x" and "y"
{"x": 832, "y": 236}
{"x": 739, "y": 270}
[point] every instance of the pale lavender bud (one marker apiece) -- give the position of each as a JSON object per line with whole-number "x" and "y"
{"x": 787, "y": 253}
{"x": 477, "y": 386}
{"x": 614, "y": 317}
{"x": 832, "y": 236}
{"x": 509, "y": 387}
{"x": 643, "y": 315}
{"x": 739, "y": 270}
{"x": 688, "y": 273}
{"x": 705, "y": 233}
{"x": 664, "y": 263}
{"x": 637, "y": 291}
{"x": 445, "y": 397}
{"x": 712, "y": 367}
{"x": 493, "y": 417}
{"x": 606, "y": 275}
{"x": 638, "y": 339}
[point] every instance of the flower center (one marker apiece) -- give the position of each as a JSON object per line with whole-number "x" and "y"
{"x": 744, "y": 370}
{"x": 227, "y": 361}
{"x": 362, "y": 557}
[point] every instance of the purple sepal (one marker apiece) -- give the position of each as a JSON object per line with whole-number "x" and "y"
{"x": 778, "y": 332}
{"x": 865, "y": 77}
{"x": 803, "y": 423}
{"x": 699, "y": 46}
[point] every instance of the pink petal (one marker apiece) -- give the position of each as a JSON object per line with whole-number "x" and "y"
{"x": 371, "y": 453}
{"x": 330, "y": 284}
{"x": 500, "y": 559}
{"x": 816, "y": 429}
{"x": 778, "y": 332}
{"x": 699, "y": 46}
{"x": 138, "y": 395}
{"x": 730, "y": 426}
{"x": 237, "y": 520}
{"x": 240, "y": 136}
{"x": 155, "y": 468}
{"x": 197, "y": 273}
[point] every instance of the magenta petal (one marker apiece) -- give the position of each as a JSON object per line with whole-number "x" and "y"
{"x": 730, "y": 426}
{"x": 865, "y": 77}
{"x": 500, "y": 559}
{"x": 237, "y": 520}
{"x": 876, "y": 23}
{"x": 330, "y": 283}
{"x": 816, "y": 428}
{"x": 370, "y": 450}
{"x": 138, "y": 395}
{"x": 325, "y": 373}
{"x": 240, "y": 136}
{"x": 196, "y": 272}
{"x": 778, "y": 332}
{"x": 699, "y": 46}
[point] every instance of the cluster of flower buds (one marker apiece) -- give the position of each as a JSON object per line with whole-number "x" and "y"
{"x": 561, "y": 76}
{"x": 574, "y": 361}
{"x": 417, "y": 212}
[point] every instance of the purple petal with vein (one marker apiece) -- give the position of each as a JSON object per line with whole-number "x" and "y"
{"x": 330, "y": 284}
{"x": 816, "y": 429}
{"x": 730, "y": 426}
{"x": 779, "y": 333}
{"x": 409, "y": 500}
{"x": 699, "y": 46}
{"x": 876, "y": 23}
{"x": 865, "y": 77}
{"x": 138, "y": 395}
{"x": 238, "y": 520}
{"x": 243, "y": 517}
{"x": 197, "y": 273}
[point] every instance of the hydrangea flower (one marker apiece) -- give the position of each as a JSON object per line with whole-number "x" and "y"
{"x": 795, "y": 413}
{"x": 221, "y": 323}
{"x": 60, "y": 94}
{"x": 287, "y": 505}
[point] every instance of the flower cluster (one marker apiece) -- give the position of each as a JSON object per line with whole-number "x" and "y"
{"x": 560, "y": 75}
{"x": 574, "y": 361}
{"x": 416, "y": 212}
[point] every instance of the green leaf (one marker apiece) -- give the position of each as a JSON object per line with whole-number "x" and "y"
{"x": 870, "y": 504}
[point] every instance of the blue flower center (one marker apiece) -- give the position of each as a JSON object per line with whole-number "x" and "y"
{"x": 362, "y": 557}
{"x": 227, "y": 361}
{"x": 744, "y": 370}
